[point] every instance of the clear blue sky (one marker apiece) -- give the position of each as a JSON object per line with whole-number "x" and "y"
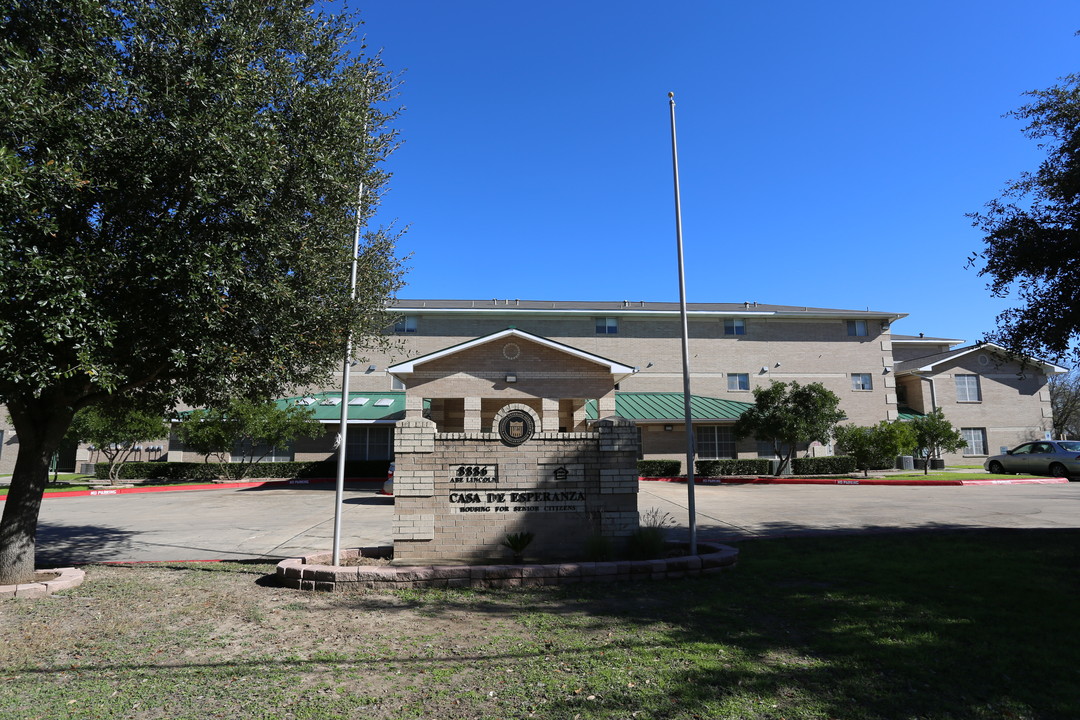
{"x": 828, "y": 151}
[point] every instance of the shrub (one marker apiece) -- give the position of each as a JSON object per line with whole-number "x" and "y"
{"x": 746, "y": 466}
{"x": 658, "y": 468}
{"x": 834, "y": 465}
{"x": 210, "y": 471}
{"x": 599, "y": 548}
{"x": 648, "y": 542}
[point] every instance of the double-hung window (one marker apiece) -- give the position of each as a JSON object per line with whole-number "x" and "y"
{"x": 967, "y": 388}
{"x": 405, "y": 324}
{"x": 607, "y": 326}
{"x": 856, "y": 328}
{"x": 734, "y": 326}
{"x": 738, "y": 381}
{"x": 862, "y": 381}
{"x": 975, "y": 439}
{"x": 714, "y": 442}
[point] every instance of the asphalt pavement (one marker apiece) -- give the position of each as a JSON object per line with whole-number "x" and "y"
{"x": 278, "y": 522}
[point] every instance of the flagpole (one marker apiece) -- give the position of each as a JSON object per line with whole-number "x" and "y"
{"x": 690, "y": 504}
{"x": 339, "y": 488}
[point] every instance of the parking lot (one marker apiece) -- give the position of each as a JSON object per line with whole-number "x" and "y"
{"x": 282, "y": 522}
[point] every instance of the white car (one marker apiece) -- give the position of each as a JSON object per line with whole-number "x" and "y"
{"x": 388, "y": 486}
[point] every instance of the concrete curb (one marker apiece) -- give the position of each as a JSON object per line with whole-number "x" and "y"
{"x": 312, "y": 573}
{"x": 207, "y": 486}
{"x": 66, "y": 578}
{"x": 856, "y": 481}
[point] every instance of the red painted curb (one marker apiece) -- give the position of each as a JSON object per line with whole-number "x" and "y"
{"x": 207, "y": 486}
{"x": 857, "y": 481}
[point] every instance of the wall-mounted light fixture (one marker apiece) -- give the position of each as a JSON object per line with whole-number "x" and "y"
{"x": 511, "y": 378}
{"x": 764, "y": 369}
{"x": 667, "y": 428}
{"x": 371, "y": 368}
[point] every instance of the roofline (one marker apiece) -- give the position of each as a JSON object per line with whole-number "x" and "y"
{"x": 1047, "y": 367}
{"x": 629, "y": 312}
{"x": 910, "y": 339}
{"x": 408, "y": 367}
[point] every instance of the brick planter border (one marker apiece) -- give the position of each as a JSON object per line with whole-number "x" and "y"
{"x": 66, "y": 578}
{"x": 312, "y": 573}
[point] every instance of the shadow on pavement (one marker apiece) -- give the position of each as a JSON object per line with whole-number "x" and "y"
{"x": 61, "y": 545}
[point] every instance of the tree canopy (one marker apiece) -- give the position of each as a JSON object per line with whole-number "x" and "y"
{"x": 241, "y": 433}
{"x": 934, "y": 434}
{"x": 116, "y": 431}
{"x": 178, "y": 196}
{"x": 876, "y": 446}
{"x": 1032, "y": 232}
{"x": 789, "y": 415}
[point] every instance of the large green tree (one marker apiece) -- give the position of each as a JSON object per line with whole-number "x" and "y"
{"x": 1032, "y": 232}
{"x": 789, "y": 415}
{"x": 934, "y": 435}
{"x": 875, "y": 447}
{"x": 178, "y": 196}
{"x": 240, "y": 434}
{"x": 115, "y": 430}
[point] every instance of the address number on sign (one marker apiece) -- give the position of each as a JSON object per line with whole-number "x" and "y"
{"x": 474, "y": 473}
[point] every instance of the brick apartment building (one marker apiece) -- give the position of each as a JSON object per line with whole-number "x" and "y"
{"x": 572, "y": 362}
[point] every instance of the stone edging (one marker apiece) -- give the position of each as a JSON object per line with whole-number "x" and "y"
{"x": 311, "y": 572}
{"x": 66, "y": 578}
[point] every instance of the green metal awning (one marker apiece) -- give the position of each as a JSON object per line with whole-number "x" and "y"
{"x": 386, "y": 406}
{"x": 668, "y": 407}
{"x": 906, "y": 413}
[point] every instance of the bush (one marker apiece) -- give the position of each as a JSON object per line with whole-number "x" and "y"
{"x": 648, "y": 542}
{"x": 658, "y": 468}
{"x": 175, "y": 471}
{"x": 835, "y": 465}
{"x": 747, "y": 466}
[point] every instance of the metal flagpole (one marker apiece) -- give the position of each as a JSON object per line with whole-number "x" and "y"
{"x": 339, "y": 490}
{"x": 690, "y": 504}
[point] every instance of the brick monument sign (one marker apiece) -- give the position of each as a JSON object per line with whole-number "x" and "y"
{"x": 487, "y": 450}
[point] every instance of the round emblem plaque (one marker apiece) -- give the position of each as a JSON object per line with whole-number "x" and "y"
{"x": 511, "y": 351}
{"x": 516, "y": 427}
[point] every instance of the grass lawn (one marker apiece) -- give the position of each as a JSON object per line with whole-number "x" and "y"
{"x": 932, "y": 626}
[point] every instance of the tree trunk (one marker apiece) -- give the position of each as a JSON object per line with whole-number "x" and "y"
{"x": 39, "y": 432}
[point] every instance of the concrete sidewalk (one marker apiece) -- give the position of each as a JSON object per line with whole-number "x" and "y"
{"x": 291, "y": 521}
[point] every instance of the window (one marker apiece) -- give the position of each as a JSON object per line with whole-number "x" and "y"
{"x": 734, "y": 326}
{"x": 856, "y": 327}
{"x": 738, "y": 381}
{"x": 714, "y": 442}
{"x": 607, "y": 326}
{"x": 976, "y": 440}
{"x": 967, "y": 388}
{"x": 369, "y": 442}
{"x": 244, "y": 451}
{"x": 862, "y": 381}
{"x": 396, "y": 383}
{"x": 405, "y": 324}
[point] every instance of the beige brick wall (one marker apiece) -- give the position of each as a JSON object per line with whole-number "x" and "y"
{"x": 440, "y": 516}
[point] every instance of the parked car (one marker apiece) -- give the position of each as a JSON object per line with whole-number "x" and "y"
{"x": 1057, "y": 458}
{"x": 388, "y": 486}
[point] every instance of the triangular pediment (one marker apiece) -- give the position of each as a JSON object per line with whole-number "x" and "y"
{"x": 507, "y": 338}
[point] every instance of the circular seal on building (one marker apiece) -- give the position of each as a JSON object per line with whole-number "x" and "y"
{"x": 511, "y": 351}
{"x": 516, "y": 427}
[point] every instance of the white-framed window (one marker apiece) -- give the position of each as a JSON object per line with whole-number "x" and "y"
{"x": 607, "y": 326}
{"x": 405, "y": 324}
{"x": 856, "y": 328}
{"x": 714, "y": 442}
{"x": 975, "y": 439}
{"x": 862, "y": 381}
{"x": 396, "y": 383}
{"x": 738, "y": 381}
{"x": 967, "y": 388}
{"x": 244, "y": 451}
{"x": 369, "y": 442}
{"x": 734, "y": 326}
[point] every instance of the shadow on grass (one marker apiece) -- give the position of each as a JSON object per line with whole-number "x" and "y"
{"x": 945, "y": 625}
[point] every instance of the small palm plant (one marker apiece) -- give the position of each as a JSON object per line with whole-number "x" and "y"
{"x": 517, "y": 542}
